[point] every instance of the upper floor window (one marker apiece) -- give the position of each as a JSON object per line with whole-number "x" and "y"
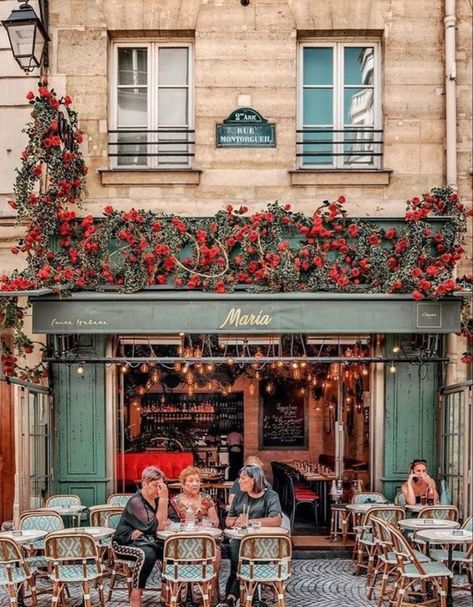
{"x": 339, "y": 122}
{"x": 151, "y": 118}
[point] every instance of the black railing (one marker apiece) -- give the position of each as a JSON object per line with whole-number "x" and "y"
{"x": 150, "y": 148}
{"x": 357, "y": 147}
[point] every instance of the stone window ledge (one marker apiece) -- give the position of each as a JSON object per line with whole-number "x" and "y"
{"x": 150, "y": 177}
{"x": 340, "y": 177}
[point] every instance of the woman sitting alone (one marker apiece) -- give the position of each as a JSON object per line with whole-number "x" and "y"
{"x": 419, "y": 484}
{"x": 135, "y": 536}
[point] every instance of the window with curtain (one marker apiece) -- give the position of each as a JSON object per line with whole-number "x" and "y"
{"x": 151, "y": 122}
{"x": 339, "y": 106}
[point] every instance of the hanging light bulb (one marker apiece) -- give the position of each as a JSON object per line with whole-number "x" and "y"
{"x": 314, "y": 381}
{"x": 257, "y": 375}
{"x": 80, "y": 369}
{"x": 280, "y": 363}
{"x": 273, "y": 365}
{"x": 295, "y": 365}
{"x": 252, "y": 388}
{"x": 303, "y": 364}
{"x": 144, "y": 368}
{"x": 154, "y": 377}
{"x": 258, "y": 353}
{"x": 210, "y": 367}
{"x": 180, "y": 350}
{"x": 296, "y": 373}
{"x": 141, "y": 390}
{"x": 148, "y": 385}
{"x": 309, "y": 376}
{"x": 270, "y": 388}
{"x": 392, "y": 368}
{"x": 197, "y": 352}
{"x": 230, "y": 360}
{"x": 201, "y": 370}
{"x": 364, "y": 371}
{"x": 134, "y": 402}
{"x": 396, "y": 349}
{"x": 302, "y": 391}
{"x": 124, "y": 368}
{"x": 317, "y": 408}
{"x": 185, "y": 368}
{"x": 190, "y": 377}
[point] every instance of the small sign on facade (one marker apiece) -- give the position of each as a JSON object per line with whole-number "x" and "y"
{"x": 246, "y": 128}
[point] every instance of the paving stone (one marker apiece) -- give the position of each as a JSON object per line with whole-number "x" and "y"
{"x": 314, "y": 583}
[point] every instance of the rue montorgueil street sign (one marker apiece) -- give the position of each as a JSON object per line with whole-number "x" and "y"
{"x": 246, "y": 128}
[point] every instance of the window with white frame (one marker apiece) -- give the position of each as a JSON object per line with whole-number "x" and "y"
{"x": 151, "y": 117}
{"x": 339, "y": 122}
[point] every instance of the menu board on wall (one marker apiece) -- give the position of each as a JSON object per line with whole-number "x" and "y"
{"x": 282, "y": 416}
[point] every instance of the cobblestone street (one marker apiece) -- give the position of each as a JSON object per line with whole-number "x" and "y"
{"x": 314, "y": 583}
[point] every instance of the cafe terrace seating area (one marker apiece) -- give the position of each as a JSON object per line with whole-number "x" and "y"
{"x": 400, "y": 554}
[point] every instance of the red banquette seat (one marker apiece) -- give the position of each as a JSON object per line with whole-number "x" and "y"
{"x": 131, "y": 465}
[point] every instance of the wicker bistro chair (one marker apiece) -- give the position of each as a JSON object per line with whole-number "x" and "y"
{"x": 365, "y": 541}
{"x": 415, "y": 575}
{"x": 120, "y": 566}
{"x": 65, "y": 500}
{"x": 264, "y": 559}
{"x": 368, "y": 497}
{"x": 444, "y": 512}
{"x": 386, "y": 562}
{"x": 74, "y": 557}
{"x": 189, "y": 559}
{"x": 98, "y": 516}
{"x": 45, "y": 521}
{"x": 400, "y": 499}
{"x": 119, "y": 499}
{"x": 14, "y": 571}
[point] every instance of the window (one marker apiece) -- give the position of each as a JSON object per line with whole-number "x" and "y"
{"x": 151, "y": 106}
{"x": 339, "y": 106}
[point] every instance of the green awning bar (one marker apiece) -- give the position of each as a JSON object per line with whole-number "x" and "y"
{"x": 167, "y": 312}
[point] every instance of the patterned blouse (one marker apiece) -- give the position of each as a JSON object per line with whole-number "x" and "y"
{"x": 179, "y": 505}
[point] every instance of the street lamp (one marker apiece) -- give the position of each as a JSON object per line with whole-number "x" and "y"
{"x": 28, "y": 35}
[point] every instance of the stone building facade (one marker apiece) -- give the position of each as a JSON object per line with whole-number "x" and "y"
{"x": 257, "y": 56}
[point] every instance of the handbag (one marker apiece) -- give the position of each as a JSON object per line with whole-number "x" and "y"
{"x": 145, "y": 540}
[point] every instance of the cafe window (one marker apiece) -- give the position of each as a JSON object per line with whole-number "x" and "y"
{"x": 339, "y": 113}
{"x": 151, "y": 123}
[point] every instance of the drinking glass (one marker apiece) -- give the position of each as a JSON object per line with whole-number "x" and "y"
{"x": 423, "y": 500}
{"x": 244, "y": 520}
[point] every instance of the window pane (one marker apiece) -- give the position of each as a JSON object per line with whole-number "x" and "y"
{"x": 172, "y": 152}
{"x": 359, "y": 65}
{"x": 317, "y": 153}
{"x": 318, "y": 106}
{"x": 359, "y": 106}
{"x": 172, "y": 107}
{"x": 359, "y": 148}
{"x": 132, "y": 66}
{"x": 173, "y": 66}
{"x": 130, "y": 145}
{"x": 318, "y": 65}
{"x": 132, "y": 107}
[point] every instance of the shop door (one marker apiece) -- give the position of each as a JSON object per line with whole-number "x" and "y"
{"x": 456, "y": 461}
{"x": 33, "y": 447}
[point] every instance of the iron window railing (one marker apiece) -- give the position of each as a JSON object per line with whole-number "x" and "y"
{"x": 357, "y": 147}
{"x": 166, "y": 147}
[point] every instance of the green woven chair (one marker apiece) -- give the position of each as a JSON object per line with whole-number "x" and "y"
{"x": 189, "y": 559}
{"x": 264, "y": 560}
{"x": 386, "y": 563}
{"x": 414, "y": 576}
{"x": 44, "y": 521}
{"x": 366, "y": 542}
{"x": 65, "y": 501}
{"x": 74, "y": 558}
{"x": 119, "y": 499}
{"x": 14, "y": 571}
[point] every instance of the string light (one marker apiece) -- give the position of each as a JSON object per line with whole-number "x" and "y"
{"x": 396, "y": 349}
{"x": 392, "y": 368}
{"x": 124, "y": 368}
{"x": 364, "y": 371}
{"x": 144, "y": 368}
{"x": 154, "y": 377}
{"x": 80, "y": 369}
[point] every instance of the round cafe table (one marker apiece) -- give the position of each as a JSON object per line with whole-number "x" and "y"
{"x": 417, "y": 524}
{"x": 25, "y": 536}
{"x": 239, "y": 534}
{"x": 212, "y": 531}
{"x": 98, "y": 533}
{"x": 448, "y": 537}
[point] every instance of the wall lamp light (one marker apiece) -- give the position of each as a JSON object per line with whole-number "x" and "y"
{"x": 28, "y": 35}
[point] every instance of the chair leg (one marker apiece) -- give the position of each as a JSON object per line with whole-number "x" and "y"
{"x": 12, "y": 593}
{"x": 280, "y": 594}
{"x": 100, "y": 589}
{"x": 250, "y": 589}
{"x": 86, "y": 591}
{"x": 32, "y": 585}
{"x": 205, "y": 589}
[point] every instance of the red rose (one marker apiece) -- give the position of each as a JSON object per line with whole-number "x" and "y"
{"x": 287, "y": 207}
{"x": 374, "y": 239}
{"x": 220, "y": 287}
{"x": 67, "y": 100}
{"x": 341, "y": 199}
{"x": 79, "y": 138}
{"x": 30, "y": 95}
{"x": 229, "y": 208}
{"x": 37, "y": 170}
{"x": 108, "y": 209}
{"x": 417, "y": 295}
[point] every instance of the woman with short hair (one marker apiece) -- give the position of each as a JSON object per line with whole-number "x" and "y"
{"x": 192, "y": 498}
{"x": 135, "y": 536}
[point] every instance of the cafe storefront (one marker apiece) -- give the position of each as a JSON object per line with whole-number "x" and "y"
{"x": 346, "y": 380}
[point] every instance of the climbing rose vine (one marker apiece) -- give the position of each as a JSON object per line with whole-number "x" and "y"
{"x": 276, "y": 249}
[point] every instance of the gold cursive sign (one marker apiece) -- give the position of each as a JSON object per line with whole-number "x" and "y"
{"x": 236, "y": 319}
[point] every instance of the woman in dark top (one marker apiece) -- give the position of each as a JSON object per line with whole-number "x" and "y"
{"x": 135, "y": 536}
{"x": 255, "y": 502}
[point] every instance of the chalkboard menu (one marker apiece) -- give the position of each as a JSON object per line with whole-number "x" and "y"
{"x": 282, "y": 415}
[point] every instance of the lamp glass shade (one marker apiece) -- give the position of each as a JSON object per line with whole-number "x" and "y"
{"x": 27, "y": 37}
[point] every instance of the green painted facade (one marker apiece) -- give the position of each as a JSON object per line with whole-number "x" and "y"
{"x": 410, "y": 417}
{"x": 80, "y": 428}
